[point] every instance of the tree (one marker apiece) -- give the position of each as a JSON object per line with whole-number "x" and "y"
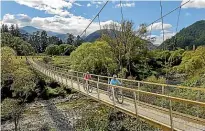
{"x": 70, "y": 39}
{"x": 17, "y": 32}
{"x": 44, "y": 41}
{"x": 21, "y": 47}
{"x": 12, "y": 30}
{"x": 55, "y": 40}
{"x": 4, "y": 28}
{"x": 96, "y": 57}
{"x": 192, "y": 62}
{"x": 35, "y": 41}
{"x": 78, "y": 41}
{"x": 52, "y": 50}
{"x": 124, "y": 44}
{"x": 66, "y": 49}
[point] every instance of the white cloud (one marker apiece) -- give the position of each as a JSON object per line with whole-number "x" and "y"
{"x": 88, "y": 5}
{"x": 78, "y": 4}
{"x": 24, "y": 17}
{"x": 54, "y": 7}
{"x": 97, "y": 2}
{"x": 159, "y": 38}
{"x": 73, "y": 24}
{"x": 125, "y": 5}
{"x": 8, "y": 18}
{"x": 194, "y": 4}
{"x": 158, "y": 26}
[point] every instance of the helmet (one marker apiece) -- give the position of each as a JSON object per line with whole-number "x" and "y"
{"x": 87, "y": 72}
{"x": 115, "y": 76}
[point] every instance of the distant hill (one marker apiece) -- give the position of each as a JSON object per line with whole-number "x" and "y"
{"x": 187, "y": 37}
{"x": 31, "y": 29}
{"x": 97, "y": 34}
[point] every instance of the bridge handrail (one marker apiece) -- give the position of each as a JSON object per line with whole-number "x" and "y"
{"x": 140, "y": 91}
{"x": 137, "y": 81}
{"x": 171, "y": 99}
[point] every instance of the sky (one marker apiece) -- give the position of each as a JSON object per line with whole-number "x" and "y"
{"x": 70, "y": 16}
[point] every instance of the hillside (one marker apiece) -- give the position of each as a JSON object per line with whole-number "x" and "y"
{"x": 187, "y": 37}
{"x": 95, "y": 35}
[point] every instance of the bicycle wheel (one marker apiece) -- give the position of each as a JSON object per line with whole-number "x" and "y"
{"x": 119, "y": 96}
{"x": 110, "y": 93}
{"x": 90, "y": 89}
{"x": 85, "y": 86}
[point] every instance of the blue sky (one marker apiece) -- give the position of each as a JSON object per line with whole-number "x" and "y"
{"x": 73, "y": 16}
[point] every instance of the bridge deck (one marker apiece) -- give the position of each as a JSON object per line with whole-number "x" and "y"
{"x": 148, "y": 113}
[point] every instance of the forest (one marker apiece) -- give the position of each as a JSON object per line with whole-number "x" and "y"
{"x": 125, "y": 53}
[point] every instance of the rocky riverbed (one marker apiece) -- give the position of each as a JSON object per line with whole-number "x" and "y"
{"x": 74, "y": 112}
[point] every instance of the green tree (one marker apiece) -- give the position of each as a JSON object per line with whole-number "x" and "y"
{"x": 35, "y": 41}
{"x": 66, "y": 49}
{"x": 52, "y": 50}
{"x": 4, "y": 28}
{"x": 192, "y": 62}
{"x": 96, "y": 58}
{"x": 12, "y": 30}
{"x": 70, "y": 39}
{"x": 125, "y": 45}
{"x": 21, "y": 47}
{"x": 44, "y": 41}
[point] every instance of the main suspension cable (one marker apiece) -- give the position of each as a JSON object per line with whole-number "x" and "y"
{"x": 94, "y": 18}
{"x": 169, "y": 13}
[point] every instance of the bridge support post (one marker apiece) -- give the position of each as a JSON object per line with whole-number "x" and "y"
{"x": 198, "y": 98}
{"x": 162, "y": 103}
{"x": 138, "y": 93}
{"x": 78, "y": 81}
{"x": 170, "y": 114}
{"x": 163, "y": 90}
{"x": 98, "y": 88}
{"x": 135, "y": 103}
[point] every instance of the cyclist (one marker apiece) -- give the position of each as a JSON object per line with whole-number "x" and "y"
{"x": 116, "y": 82}
{"x": 87, "y": 77}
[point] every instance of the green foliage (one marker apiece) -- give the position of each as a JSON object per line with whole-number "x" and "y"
{"x": 154, "y": 79}
{"x": 96, "y": 57}
{"x": 192, "y": 62}
{"x": 7, "y": 106}
{"x": 58, "y": 50}
{"x": 21, "y": 47}
{"x": 125, "y": 46}
{"x": 52, "y": 50}
{"x": 192, "y": 35}
{"x": 65, "y": 48}
{"x": 8, "y": 65}
{"x": 23, "y": 81}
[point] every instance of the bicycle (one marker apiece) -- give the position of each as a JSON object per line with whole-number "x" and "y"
{"x": 87, "y": 86}
{"x": 117, "y": 94}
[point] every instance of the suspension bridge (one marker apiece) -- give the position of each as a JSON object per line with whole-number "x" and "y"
{"x": 156, "y": 106}
{"x": 164, "y": 117}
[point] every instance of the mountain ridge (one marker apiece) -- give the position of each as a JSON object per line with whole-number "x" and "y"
{"x": 30, "y": 30}
{"x": 187, "y": 37}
